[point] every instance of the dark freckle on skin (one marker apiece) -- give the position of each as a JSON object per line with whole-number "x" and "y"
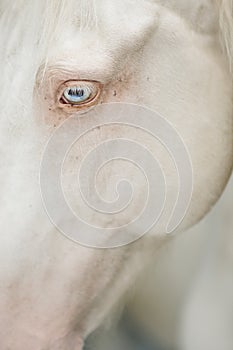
{"x": 54, "y": 125}
{"x": 114, "y": 93}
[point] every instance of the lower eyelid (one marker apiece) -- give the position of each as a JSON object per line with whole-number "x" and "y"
{"x": 50, "y": 83}
{"x": 93, "y": 88}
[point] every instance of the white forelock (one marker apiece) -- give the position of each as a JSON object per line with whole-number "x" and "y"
{"x": 29, "y": 29}
{"x": 50, "y": 16}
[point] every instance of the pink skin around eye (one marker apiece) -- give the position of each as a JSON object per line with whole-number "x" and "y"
{"x": 49, "y": 90}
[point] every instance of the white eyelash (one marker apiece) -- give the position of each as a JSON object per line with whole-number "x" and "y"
{"x": 80, "y": 93}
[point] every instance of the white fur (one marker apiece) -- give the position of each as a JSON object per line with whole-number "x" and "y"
{"x": 164, "y": 54}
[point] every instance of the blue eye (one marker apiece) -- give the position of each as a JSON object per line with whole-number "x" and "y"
{"x": 77, "y": 94}
{"x": 80, "y": 93}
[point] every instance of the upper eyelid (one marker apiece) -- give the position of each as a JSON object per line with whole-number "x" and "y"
{"x": 93, "y": 100}
{"x": 51, "y": 79}
{"x": 91, "y": 89}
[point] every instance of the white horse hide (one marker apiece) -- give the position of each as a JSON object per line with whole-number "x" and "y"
{"x": 171, "y": 56}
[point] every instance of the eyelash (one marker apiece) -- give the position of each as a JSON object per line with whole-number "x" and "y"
{"x": 78, "y": 93}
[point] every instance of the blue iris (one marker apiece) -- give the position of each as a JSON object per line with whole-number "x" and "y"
{"x": 77, "y": 94}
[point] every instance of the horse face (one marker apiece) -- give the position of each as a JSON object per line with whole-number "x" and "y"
{"x": 159, "y": 54}
{"x": 164, "y": 55}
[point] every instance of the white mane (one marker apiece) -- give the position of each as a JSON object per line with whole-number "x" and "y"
{"x": 226, "y": 28}
{"x": 46, "y": 19}
{"x": 29, "y": 29}
{"x": 54, "y": 14}
{"x": 42, "y": 21}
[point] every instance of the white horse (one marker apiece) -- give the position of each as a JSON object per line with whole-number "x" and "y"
{"x": 63, "y": 57}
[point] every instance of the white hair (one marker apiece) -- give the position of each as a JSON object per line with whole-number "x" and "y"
{"x": 46, "y": 18}
{"x": 44, "y": 21}
{"x": 55, "y": 15}
{"x": 226, "y": 28}
{"x": 28, "y": 31}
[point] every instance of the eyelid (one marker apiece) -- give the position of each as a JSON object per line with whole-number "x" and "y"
{"x": 94, "y": 86}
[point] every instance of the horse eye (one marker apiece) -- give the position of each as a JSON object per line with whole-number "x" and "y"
{"x": 77, "y": 93}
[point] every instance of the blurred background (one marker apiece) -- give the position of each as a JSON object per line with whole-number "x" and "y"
{"x": 185, "y": 299}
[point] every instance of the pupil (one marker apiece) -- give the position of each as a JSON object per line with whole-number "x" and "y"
{"x": 76, "y": 92}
